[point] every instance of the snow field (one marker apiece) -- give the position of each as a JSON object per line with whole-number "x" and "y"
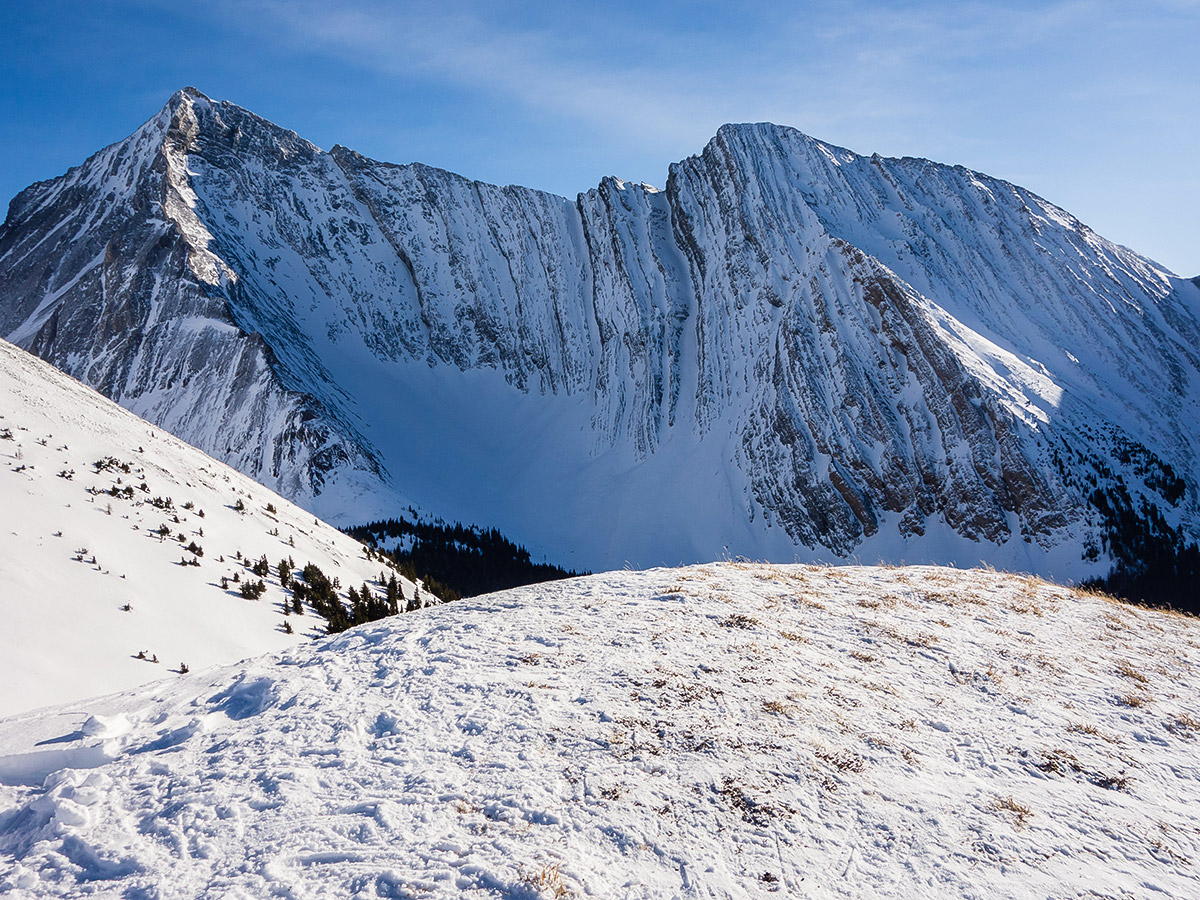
{"x": 717, "y": 731}
{"x": 72, "y": 556}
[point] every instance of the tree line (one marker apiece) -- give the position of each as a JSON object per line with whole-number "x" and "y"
{"x": 461, "y": 560}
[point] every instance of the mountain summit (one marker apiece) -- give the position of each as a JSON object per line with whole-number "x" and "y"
{"x": 791, "y": 351}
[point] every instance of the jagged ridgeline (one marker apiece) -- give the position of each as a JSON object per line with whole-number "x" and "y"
{"x": 790, "y": 352}
{"x": 455, "y": 560}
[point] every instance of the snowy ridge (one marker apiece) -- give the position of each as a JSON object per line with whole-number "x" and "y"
{"x": 86, "y": 489}
{"x": 859, "y": 356}
{"x": 718, "y": 731}
{"x": 129, "y": 301}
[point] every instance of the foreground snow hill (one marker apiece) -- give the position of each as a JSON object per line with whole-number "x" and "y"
{"x": 101, "y": 510}
{"x": 717, "y": 731}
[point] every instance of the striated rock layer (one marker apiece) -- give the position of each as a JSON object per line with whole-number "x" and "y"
{"x": 791, "y": 351}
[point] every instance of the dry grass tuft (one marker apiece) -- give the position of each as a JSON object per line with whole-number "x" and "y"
{"x": 1058, "y": 762}
{"x": 749, "y": 565}
{"x": 768, "y": 572}
{"x": 1091, "y": 592}
{"x": 957, "y": 598}
{"x": 1026, "y": 606}
{"x": 547, "y": 880}
{"x": 753, "y": 810}
{"x": 940, "y": 577}
{"x": 842, "y": 760}
{"x": 1021, "y": 813}
{"x": 809, "y": 602}
{"x": 1124, "y": 668}
{"x": 738, "y": 620}
{"x": 1160, "y": 848}
{"x": 1184, "y": 723}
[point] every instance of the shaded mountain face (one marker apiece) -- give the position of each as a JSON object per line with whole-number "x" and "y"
{"x": 790, "y": 351}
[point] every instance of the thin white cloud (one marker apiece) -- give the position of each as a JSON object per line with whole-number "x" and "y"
{"x": 1028, "y": 90}
{"x": 826, "y": 67}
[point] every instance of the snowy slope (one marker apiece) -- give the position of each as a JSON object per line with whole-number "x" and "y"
{"x": 856, "y": 356}
{"x": 72, "y": 556}
{"x": 718, "y": 731}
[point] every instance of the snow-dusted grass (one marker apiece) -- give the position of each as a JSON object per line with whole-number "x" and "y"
{"x": 716, "y": 731}
{"x": 87, "y": 581}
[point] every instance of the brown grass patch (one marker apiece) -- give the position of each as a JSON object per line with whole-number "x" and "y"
{"x": 1021, "y": 813}
{"x": 1184, "y": 723}
{"x": 1124, "y": 668}
{"x": 778, "y": 707}
{"x": 842, "y": 760}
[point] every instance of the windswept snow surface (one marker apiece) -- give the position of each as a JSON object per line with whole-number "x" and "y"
{"x": 717, "y": 731}
{"x": 72, "y": 555}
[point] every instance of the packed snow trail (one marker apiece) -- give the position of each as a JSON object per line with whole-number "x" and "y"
{"x": 717, "y": 731}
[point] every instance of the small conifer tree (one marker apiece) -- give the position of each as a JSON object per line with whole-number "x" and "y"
{"x": 394, "y": 595}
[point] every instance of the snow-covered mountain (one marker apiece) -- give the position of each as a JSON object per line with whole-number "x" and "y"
{"x": 790, "y": 352}
{"x": 714, "y": 732}
{"x": 115, "y": 540}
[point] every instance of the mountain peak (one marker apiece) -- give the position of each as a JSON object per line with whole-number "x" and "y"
{"x": 188, "y": 92}
{"x": 767, "y": 142}
{"x": 180, "y": 106}
{"x": 875, "y": 356}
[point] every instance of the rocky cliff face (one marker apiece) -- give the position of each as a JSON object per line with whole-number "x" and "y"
{"x": 790, "y": 350}
{"x": 108, "y": 274}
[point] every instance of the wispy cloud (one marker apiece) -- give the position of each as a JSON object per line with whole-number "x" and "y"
{"x": 814, "y": 65}
{"x": 1048, "y": 93}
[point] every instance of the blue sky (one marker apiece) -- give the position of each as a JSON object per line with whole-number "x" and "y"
{"x": 1095, "y": 104}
